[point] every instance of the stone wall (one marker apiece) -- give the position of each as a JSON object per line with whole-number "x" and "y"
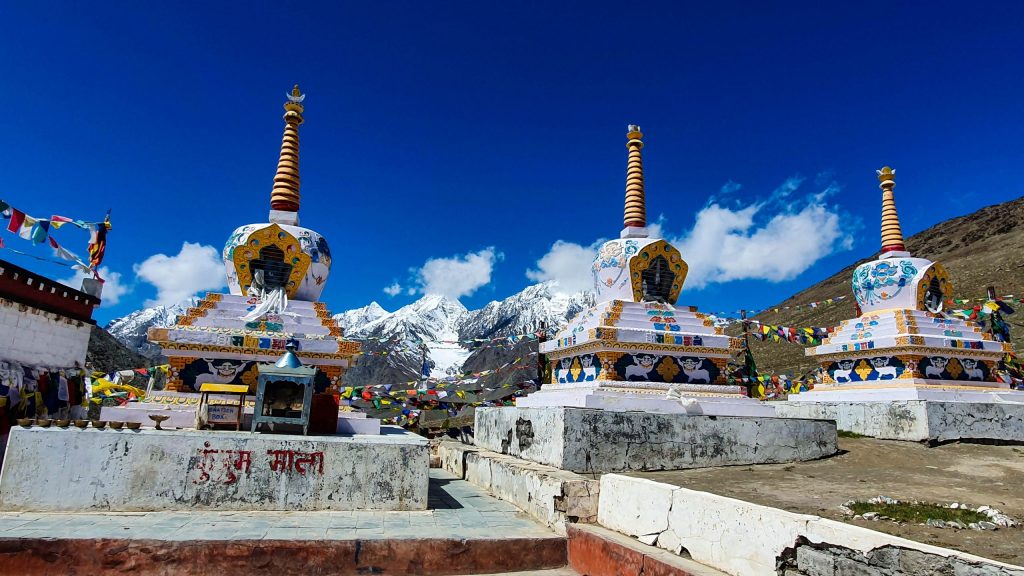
{"x": 554, "y": 497}
{"x": 917, "y": 420}
{"x": 33, "y": 337}
{"x": 584, "y": 440}
{"x": 746, "y": 539}
{"x": 826, "y": 560}
{"x": 53, "y": 469}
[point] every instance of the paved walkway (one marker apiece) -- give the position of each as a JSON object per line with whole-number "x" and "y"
{"x": 458, "y": 510}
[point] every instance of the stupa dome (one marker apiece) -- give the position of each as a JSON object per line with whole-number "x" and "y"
{"x": 303, "y": 266}
{"x": 280, "y": 253}
{"x": 896, "y": 279}
{"x": 638, "y": 270}
{"x": 908, "y": 283}
{"x": 635, "y": 267}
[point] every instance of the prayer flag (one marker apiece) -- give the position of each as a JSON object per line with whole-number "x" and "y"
{"x": 40, "y": 231}
{"x": 57, "y": 221}
{"x": 17, "y": 218}
{"x": 98, "y": 242}
{"x": 28, "y": 223}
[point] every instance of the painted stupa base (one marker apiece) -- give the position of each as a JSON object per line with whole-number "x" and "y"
{"x": 212, "y": 342}
{"x": 906, "y": 344}
{"x": 655, "y": 397}
{"x": 585, "y": 440}
{"x": 910, "y": 374}
{"x": 640, "y": 341}
{"x": 151, "y": 470}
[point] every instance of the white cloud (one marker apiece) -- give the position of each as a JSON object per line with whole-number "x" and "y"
{"x": 773, "y": 240}
{"x": 113, "y": 289}
{"x": 393, "y": 290}
{"x": 730, "y": 187}
{"x": 568, "y": 264}
{"x": 457, "y": 276}
{"x": 790, "y": 185}
{"x": 195, "y": 268}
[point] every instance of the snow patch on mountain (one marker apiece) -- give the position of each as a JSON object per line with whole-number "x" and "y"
{"x": 537, "y": 306}
{"x": 355, "y": 319}
{"x": 131, "y": 330}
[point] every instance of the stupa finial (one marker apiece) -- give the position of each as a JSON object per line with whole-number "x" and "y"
{"x": 892, "y": 234}
{"x": 285, "y": 194}
{"x": 635, "y": 215}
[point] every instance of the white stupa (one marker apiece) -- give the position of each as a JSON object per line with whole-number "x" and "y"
{"x": 904, "y": 369}
{"x": 636, "y": 349}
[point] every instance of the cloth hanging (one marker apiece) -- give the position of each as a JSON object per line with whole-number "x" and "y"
{"x": 274, "y": 302}
{"x": 62, "y": 389}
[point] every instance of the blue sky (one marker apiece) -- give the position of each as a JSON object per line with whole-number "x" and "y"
{"x": 440, "y": 130}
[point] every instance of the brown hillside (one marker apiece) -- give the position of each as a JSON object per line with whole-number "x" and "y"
{"x": 982, "y": 249}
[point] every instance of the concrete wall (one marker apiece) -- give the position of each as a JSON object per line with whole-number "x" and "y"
{"x": 583, "y": 440}
{"x": 33, "y": 337}
{"x": 745, "y": 539}
{"x": 121, "y": 470}
{"x": 551, "y": 496}
{"x": 917, "y": 420}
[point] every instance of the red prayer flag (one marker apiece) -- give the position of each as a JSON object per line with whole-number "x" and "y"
{"x": 17, "y": 218}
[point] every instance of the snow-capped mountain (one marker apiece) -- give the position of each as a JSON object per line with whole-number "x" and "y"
{"x": 355, "y": 319}
{"x": 430, "y": 322}
{"x": 441, "y": 324}
{"x": 536, "y": 306}
{"x": 444, "y": 326}
{"x": 131, "y": 330}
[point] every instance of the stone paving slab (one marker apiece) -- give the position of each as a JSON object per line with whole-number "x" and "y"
{"x": 457, "y": 510}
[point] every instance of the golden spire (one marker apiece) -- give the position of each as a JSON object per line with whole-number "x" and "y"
{"x": 892, "y": 235}
{"x": 635, "y": 214}
{"x": 285, "y": 195}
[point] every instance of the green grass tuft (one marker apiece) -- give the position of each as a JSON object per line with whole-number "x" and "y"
{"x": 848, "y": 434}
{"x": 919, "y": 513}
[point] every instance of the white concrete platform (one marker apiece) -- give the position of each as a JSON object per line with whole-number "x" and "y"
{"x": 910, "y": 390}
{"x": 916, "y": 415}
{"x": 150, "y": 470}
{"x": 647, "y": 397}
{"x": 583, "y": 440}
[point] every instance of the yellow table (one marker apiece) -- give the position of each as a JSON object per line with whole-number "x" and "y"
{"x": 237, "y": 389}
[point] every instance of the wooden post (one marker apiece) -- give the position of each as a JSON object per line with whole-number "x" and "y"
{"x": 423, "y": 361}
{"x": 746, "y": 344}
{"x": 543, "y": 376}
{"x": 991, "y": 323}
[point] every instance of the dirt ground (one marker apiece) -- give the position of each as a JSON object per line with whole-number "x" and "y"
{"x": 966, "y": 473}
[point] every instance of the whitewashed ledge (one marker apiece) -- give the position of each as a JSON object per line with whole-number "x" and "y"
{"x": 56, "y": 469}
{"x": 746, "y": 539}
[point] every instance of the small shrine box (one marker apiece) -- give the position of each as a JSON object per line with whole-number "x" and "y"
{"x": 211, "y": 415}
{"x": 284, "y": 394}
